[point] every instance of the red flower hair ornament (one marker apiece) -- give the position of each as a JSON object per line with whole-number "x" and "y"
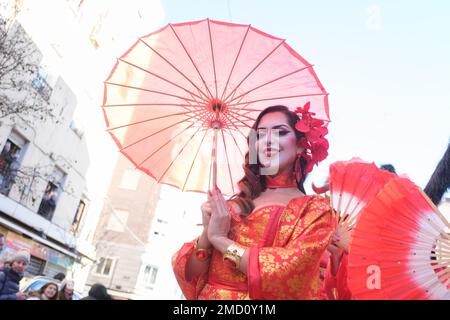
{"x": 315, "y": 144}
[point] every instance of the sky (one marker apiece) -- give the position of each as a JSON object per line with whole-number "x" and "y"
{"x": 385, "y": 64}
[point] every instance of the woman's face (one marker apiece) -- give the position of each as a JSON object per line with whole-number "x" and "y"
{"x": 68, "y": 290}
{"x": 19, "y": 266}
{"x": 276, "y": 144}
{"x": 50, "y": 291}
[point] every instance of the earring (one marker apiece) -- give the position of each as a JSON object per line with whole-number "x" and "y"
{"x": 298, "y": 168}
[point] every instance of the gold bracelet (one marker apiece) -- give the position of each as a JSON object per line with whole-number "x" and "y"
{"x": 200, "y": 253}
{"x": 233, "y": 255}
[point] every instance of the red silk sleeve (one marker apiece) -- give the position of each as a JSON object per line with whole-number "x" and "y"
{"x": 290, "y": 268}
{"x": 191, "y": 289}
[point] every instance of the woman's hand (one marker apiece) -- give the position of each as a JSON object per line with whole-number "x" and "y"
{"x": 206, "y": 214}
{"x": 220, "y": 221}
{"x": 341, "y": 237}
{"x": 203, "y": 241}
{"x": 336, "y": 253}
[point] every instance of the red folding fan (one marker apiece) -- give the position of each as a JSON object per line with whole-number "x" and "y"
{"x": 400, "y": 246}
{"x": 353, "y": 184}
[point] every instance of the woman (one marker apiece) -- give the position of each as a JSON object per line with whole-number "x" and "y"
{"x": 11, "y": 275}
{"x": 66, "y": 291}
{"x": 49, "y": 291}
{"x": 267, "y": 241}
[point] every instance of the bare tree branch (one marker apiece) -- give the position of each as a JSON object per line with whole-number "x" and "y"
{"x": 23, "y": 90}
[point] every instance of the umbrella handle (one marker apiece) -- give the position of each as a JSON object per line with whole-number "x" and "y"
{"x": 216, "y": 127}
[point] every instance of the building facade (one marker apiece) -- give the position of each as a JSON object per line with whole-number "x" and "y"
{"x": 141, "y": 226}
{"x": 43, "y": 162}
{"x": 124, "y": 224}
{"x": 80, "y": 43}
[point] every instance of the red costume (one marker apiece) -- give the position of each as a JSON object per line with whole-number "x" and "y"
{"x": 285, "y": 245}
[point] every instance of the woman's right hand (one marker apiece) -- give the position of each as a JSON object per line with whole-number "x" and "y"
{"x": 206, "y": 214}
{"x": 203, "y": 241}
{"x": 196, "y": 267}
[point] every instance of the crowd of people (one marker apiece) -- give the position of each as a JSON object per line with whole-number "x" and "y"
{"x": 62, "y": 288}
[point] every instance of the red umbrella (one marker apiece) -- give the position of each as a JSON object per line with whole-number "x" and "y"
{"x": 180, "y": 102}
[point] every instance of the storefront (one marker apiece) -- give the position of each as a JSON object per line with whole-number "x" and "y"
{"x": 44, "y": 260}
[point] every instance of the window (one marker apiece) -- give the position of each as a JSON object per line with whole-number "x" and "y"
{"x": 150, "y": 273}
{"x": 51, "y": 194}
{"x": 41, "y": 85}
{"x": 35, "y": 267}
{"x": 9, "y": 165}
{"x": 130, "y": 179}
{"x": 160, "y": 229}
{"x": 159, "y": 234}
{"x": 77, "y": 128}
{"x": 96, "y": 33}
{"x": 48, "y": 202}
{"x": 117, "y": 220}
{"x": 78, "y": 216}
{"x": 105, "y": 266}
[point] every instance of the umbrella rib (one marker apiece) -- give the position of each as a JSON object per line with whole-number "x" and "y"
{"x": 204, "y": 116}
{"x": 212, "y": 55}
{"x": 235, "y": 61}
{"x": 228, "y": 160}
{"x": 190, "y": 58}
{"x": 242, "y": 115}
{"x": 210, "y": 170}
{"x": 248, "y": 110}
{"x": 162, "y": 78}
{"x": 231, "y": 115}
{"x": 234, "y": 138}
{"x": 285, "y": 97}
{"x": 240, "y": 100}
{"x": 197, "y": 118}
{"x": 171, "y": 139}
{"x": 193, "y": 161}
{"x": 253, "y": 70}
{"x": 152, "y": 91}
{"x": 179, "y": 153}
{"x": 165, "y": 144}
{"x": 147, "y": 120}
{"x": 173, "y": 66}
{"x": 271, "y": 81}
{"x": 159, "y": 131}
{"x": 152, "y": 104}
{"x": 226, "y": 115}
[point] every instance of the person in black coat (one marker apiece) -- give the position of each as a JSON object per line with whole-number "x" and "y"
{"x": 98, "y": 292}
{"x": 439, "y": 181}
{"x": 10, "y": 277}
